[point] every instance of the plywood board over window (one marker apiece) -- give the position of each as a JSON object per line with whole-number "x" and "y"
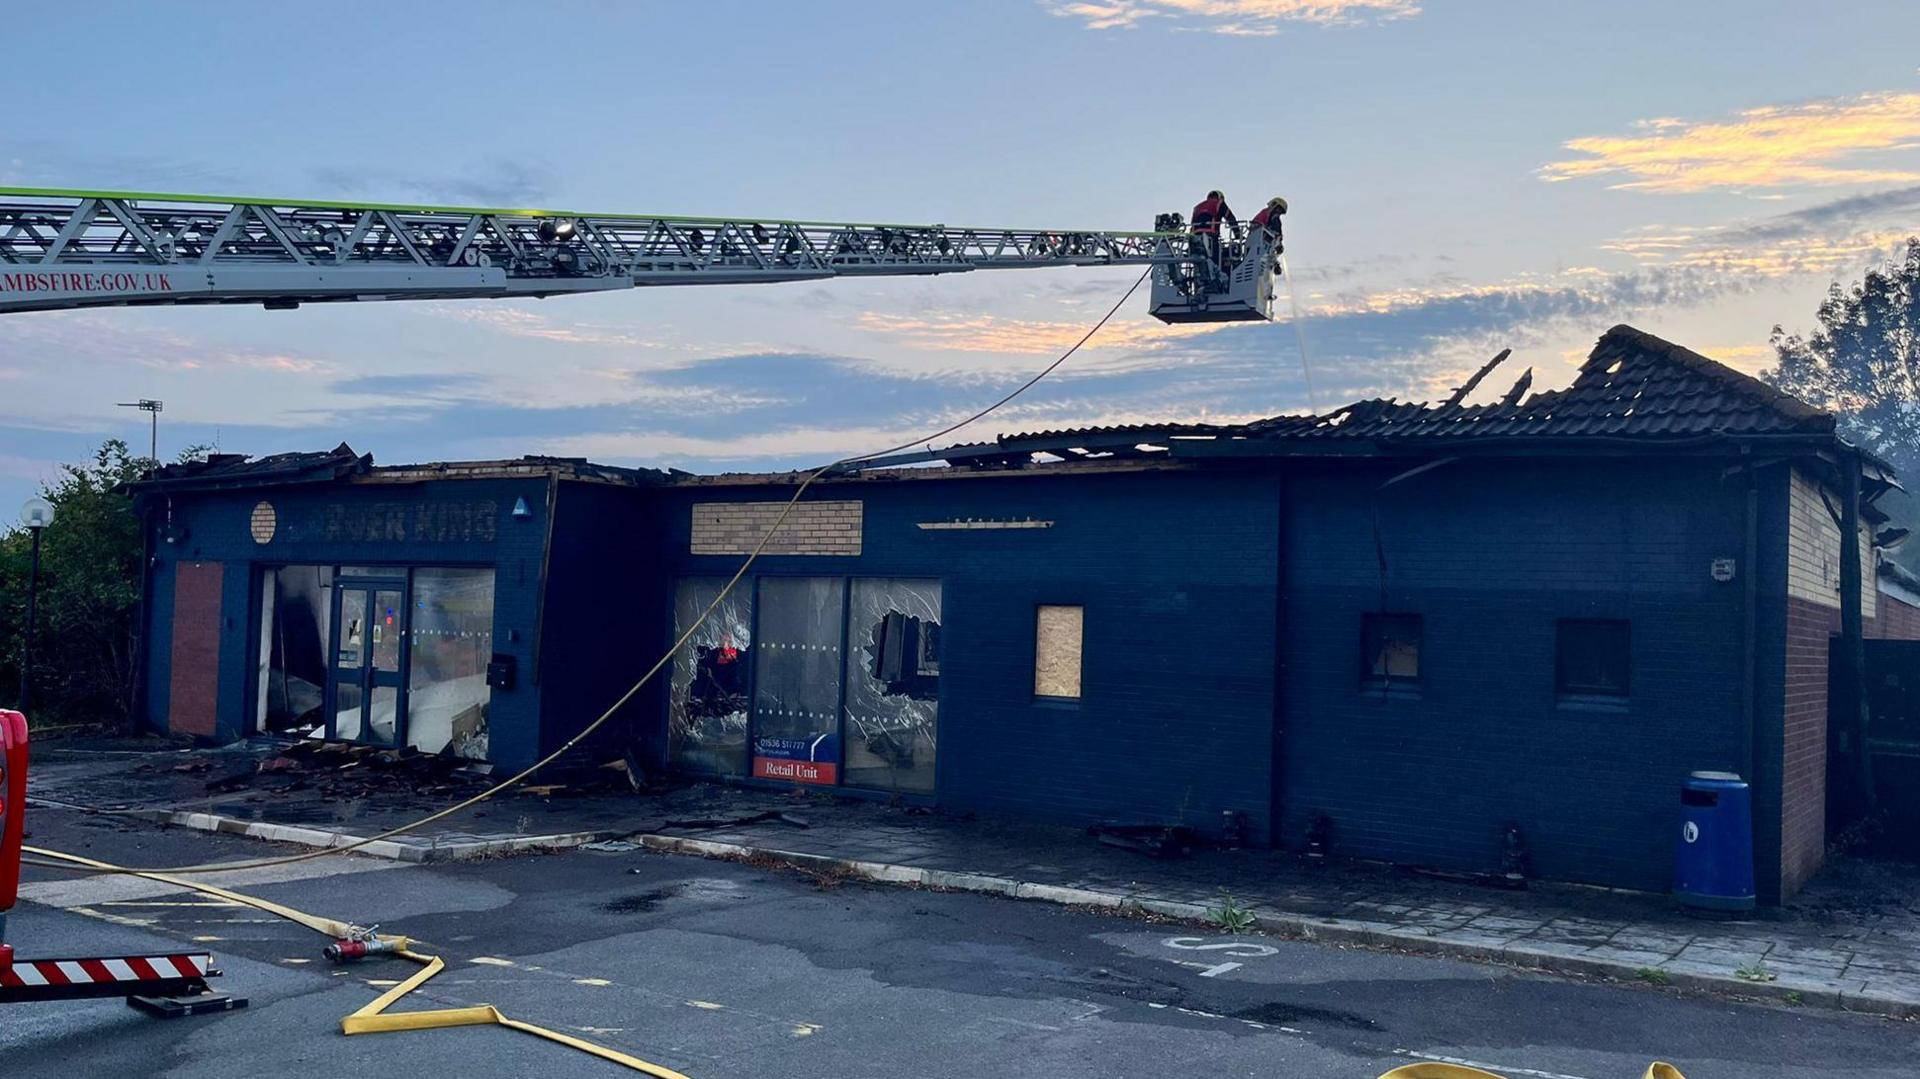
{"x": 1056, "y": 650}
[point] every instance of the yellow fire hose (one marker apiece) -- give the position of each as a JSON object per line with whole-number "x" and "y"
{"x": 374, "y": 1017}
{"x": 1436, "y": 1070}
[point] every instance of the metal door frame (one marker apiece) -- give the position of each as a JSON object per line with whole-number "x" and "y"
{"x": 370, "y": 677}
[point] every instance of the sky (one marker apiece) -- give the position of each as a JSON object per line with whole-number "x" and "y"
{"x": 1463, "y": 176}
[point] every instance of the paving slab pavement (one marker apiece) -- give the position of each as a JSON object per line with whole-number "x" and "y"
{"x": 1852, "y": 940}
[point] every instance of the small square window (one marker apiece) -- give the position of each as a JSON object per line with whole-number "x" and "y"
{"x": 1056, "y": 651}
{"x": 1390, "y": 648}
{"x": 1592, "y": 658}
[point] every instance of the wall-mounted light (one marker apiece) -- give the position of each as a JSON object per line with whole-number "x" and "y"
{"x": 521, "y": 511}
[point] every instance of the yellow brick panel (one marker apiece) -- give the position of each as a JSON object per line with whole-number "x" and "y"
{"x": 1813, "y": 548}
{"x": 812, "y": 528}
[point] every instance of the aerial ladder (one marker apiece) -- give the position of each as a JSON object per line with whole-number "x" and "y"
{"x": 63, "y": 249}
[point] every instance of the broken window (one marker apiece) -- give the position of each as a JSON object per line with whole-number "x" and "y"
{"x": 796, "y": 679}
{"x": 893, "y": 683}
{"x": 707, "y": 697}
{"x": 296, "y": 608}
{"x": 451, "y": 632}
{"x": 1390, "y": 648}
{"x": 1591, "y": 658}
{"x": 1056, "y": 651}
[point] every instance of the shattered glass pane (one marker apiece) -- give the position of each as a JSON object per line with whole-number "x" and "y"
{"x": 346, "y": 710}
{"x": 383, "y": 712}
{"x": 707, "y": 696}
{"x": 452, "y": 639}
{"x": 893, "y": 683}
{"x": 796, "y": 680}
{"x": 296, "y": 621}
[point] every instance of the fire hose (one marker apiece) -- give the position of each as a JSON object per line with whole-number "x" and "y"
{"x": 1435, "y": 1070}
{"x": 374, "y": 1018}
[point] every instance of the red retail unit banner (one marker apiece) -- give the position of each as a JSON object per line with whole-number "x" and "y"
{"x": 823, "y": 772}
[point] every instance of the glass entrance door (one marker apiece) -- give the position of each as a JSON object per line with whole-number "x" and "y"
{"x": 369, "y": 633}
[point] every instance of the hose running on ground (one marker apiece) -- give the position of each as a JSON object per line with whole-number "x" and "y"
{"x": 374, "y": 1017}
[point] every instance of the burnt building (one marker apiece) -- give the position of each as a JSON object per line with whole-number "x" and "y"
{"x": 410, "y": 606}
{"x": 1407, "y": 628}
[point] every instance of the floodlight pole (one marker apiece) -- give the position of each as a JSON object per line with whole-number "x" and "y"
{"x": 26, "y": 643}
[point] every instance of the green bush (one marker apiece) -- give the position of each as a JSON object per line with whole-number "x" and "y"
{"x": 84, "y": 632}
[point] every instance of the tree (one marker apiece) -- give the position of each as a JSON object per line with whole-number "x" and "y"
{"x": 89, "y": 589}
{"x": 1863, "y": 364}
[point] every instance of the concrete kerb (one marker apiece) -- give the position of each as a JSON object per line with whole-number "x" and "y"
{"x": 1322, "y": 930}
{"x": 432, "y": 850}
{"x": 1785, "y": 989}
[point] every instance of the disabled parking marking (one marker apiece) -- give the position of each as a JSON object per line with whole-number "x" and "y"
{"x": 1239, "y": 949}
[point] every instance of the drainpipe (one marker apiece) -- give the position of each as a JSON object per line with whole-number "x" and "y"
{"x": 142, "y": 611}
{"x": 1750, "y": 574}
{"x": 1852, "y": 632}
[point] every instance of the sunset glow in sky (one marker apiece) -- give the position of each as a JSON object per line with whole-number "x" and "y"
{"x": 1464, "y": 175}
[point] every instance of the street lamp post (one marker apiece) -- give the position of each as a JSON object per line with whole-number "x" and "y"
{"x": 37, "y": 514}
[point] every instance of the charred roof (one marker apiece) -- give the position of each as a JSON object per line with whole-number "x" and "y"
{"x": 342, "y": 465}
{"x": 1634, "y": 392}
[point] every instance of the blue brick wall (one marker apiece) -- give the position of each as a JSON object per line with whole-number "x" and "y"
{"x": 1176, "y": 572}
{"x": 1491, "y": 554}
{"x": 1222, "y": 605}
{"x": 355, "y": 524}
{"x": 602, "y": 626}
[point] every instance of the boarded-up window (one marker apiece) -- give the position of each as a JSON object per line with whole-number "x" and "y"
{"x": 1593, "y": 658}
{"x": 1056, "y": 651}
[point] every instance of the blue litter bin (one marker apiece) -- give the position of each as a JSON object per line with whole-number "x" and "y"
{"x": 1713, "y": 854}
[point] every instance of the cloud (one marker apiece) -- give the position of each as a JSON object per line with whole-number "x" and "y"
{"x": 45, "y": 163}
{"x": 1814, "y": 143}
{"x": 1749, "y": 358}
{"x": 58, "y": 339}
{"x": 769, "y": 410}
{"x": 1717, "y": 249}
{"x": 1897, "y": 203}
{"x": 502, "y": 184}
{"x": 408, "y": 385}
{"x": 515, "y": 322}
{"x": 992, "y": 333}
{"x": 1239, "y": 18}
{"x": 1828, "y": 238}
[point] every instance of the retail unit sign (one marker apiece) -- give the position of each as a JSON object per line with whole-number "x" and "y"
{"x": 798, "y": 760}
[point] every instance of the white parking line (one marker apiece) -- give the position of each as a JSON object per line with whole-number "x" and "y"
{"x": 90, "y": 891}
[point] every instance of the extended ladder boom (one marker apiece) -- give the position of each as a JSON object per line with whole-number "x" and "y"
{"x": 66, "y": 249}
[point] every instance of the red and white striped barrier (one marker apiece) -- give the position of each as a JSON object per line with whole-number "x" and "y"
{"x": 133, "y": 968}
{"x": 27, "y": 980}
